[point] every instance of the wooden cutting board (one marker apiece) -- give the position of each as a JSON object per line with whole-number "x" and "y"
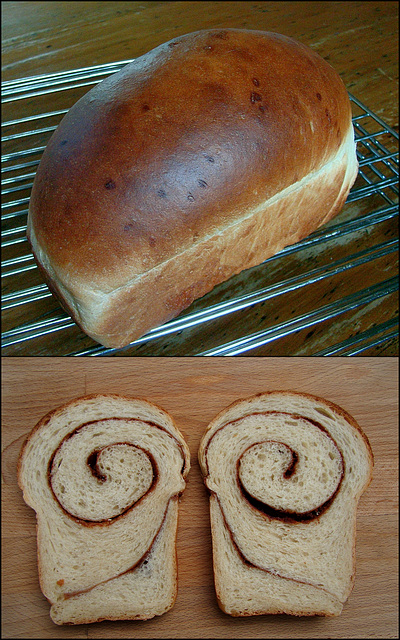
{"x": 193, "y": 390}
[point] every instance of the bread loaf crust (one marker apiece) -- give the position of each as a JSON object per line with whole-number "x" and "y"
{"x": 188, "y": 144}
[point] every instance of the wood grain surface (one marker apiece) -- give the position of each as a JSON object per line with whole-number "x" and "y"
{"x": 359, "y": 39}
{"x": 193, "y": 390}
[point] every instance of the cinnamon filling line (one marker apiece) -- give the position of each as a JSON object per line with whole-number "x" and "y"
{"x": 248, "y": 562}
{"x": 137, "y": 564}
{"x": 92, "y": 464}
{"x": 290, "y": 517}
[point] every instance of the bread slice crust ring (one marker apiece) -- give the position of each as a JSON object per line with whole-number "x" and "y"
{"x": 286, "y": 544}
{"x": 104, "y": 474}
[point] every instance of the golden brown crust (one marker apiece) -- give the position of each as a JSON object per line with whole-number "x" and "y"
{"x": 161, "y": 181}
{"x": 126, "y": 314}
{"x": 175, "y": 145}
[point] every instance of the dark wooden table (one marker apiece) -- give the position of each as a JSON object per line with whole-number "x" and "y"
{"x": 359, "y": 39}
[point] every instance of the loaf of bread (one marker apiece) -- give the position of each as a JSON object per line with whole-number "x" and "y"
{"x": 285, "y": 472}
{"x": 104, "y": 474}
{"x": 199, "y": 159}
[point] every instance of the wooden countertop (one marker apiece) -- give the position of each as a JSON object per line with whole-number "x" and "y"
{"x": 359, "y": 39}
{"x": 193, "y": 391}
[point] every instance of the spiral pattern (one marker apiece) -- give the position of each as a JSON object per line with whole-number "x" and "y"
{"x": 292, "y": 472}
{"x": 103, "y": 481}
{"x": 119, "y": 473}
{"x": 273, "y": 475}
{"x": 285, "y": 471}
{"x": 105, "y": 491}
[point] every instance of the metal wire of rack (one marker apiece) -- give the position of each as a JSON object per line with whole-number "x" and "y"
{"x": 31, "y": 316}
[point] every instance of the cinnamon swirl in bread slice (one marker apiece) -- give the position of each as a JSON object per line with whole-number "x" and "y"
{"x": 285, "y": 471}
{"x": 104, "y": 474}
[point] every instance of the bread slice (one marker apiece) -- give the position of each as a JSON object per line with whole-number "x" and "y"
{"x": 285, "y": 471}
{"x": 104, "y": 474}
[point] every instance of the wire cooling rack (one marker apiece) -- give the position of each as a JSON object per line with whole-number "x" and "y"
{"x": 334, "y": 293}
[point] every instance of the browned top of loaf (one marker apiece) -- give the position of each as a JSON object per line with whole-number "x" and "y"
{"x": 180, "y": 143}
